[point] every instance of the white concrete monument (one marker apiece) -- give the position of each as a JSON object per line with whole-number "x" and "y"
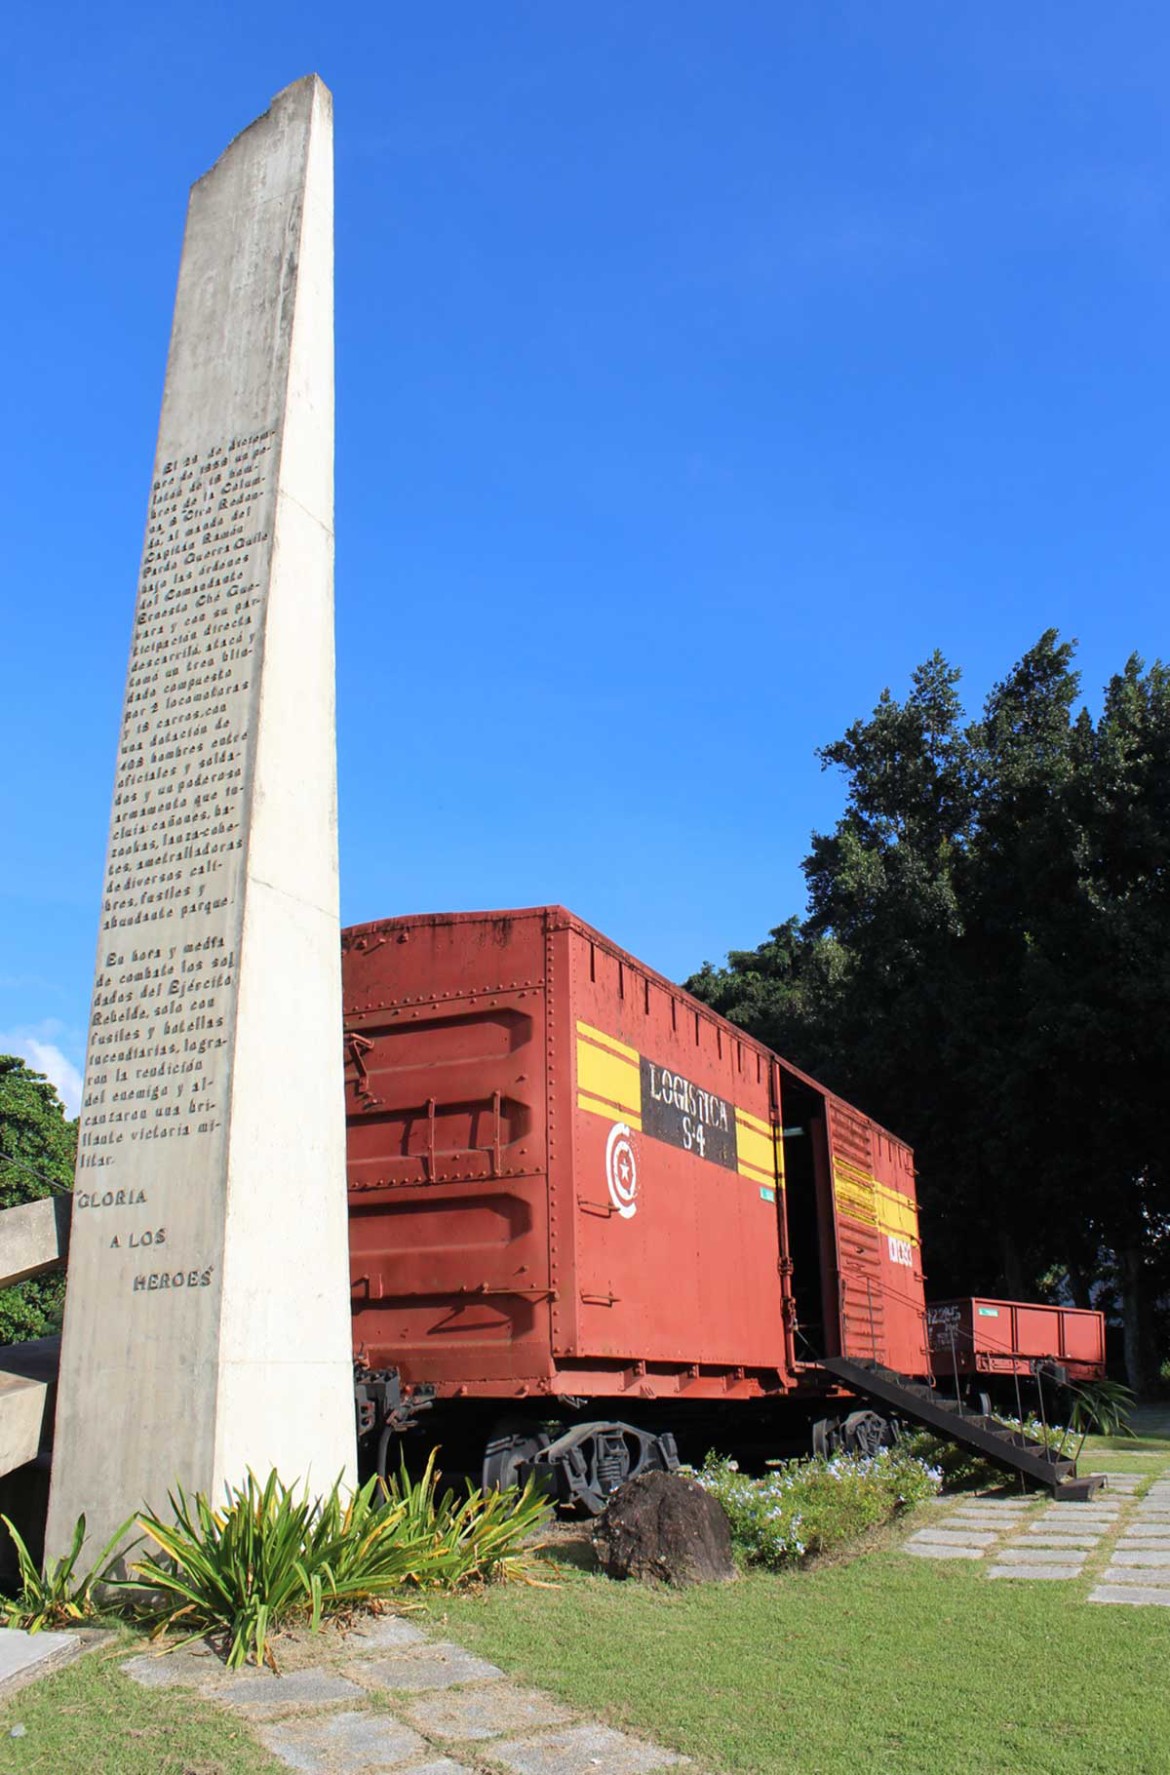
{"x": 207, "y": 1315}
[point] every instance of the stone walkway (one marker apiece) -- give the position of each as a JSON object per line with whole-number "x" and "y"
{"x": 390, "y": 1698}
{"x": 1118, "y": 1539}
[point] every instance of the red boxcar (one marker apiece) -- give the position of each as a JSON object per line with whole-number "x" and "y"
{"x": 990, "y": 1337}
{"x": 570, "y": 1180}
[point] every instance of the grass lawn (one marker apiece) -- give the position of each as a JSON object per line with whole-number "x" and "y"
{"x": 882, "y": 1662}
{"x": 879, "y": 1662}
{"x": 89, "y": 1719}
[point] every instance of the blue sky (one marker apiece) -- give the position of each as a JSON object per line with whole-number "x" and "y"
{"x": 700, "y": 369}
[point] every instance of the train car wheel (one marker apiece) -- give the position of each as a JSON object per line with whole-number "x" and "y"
{"x": 865, "y": 1433}
{"x": 512, "y": 1441}
{"x": 826, "y": 1438}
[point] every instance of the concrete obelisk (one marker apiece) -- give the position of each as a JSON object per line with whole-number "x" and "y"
{"x": 207, "y": 1311}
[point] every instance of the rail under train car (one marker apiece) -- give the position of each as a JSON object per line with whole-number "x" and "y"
{"x": 592, "y": 1222}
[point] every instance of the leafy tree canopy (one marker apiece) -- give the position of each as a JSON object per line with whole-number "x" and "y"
{"x": 38, "y": 1146}
{"x": 983, "y": 967}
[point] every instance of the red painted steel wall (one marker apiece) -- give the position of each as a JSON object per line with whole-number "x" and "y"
{"x": 565, "y": 1175}
{"x": 1004, "y": 1336}
{"x": 677, "y": 1261}
{"x": 880, "y": 1254}
{"x": 447, "y": 1159}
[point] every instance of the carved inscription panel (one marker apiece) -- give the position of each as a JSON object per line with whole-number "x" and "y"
{"x": 161, "y": 1023}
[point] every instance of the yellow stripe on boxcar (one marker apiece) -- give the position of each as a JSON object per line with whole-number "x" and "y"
{"x": 896, "y": 1213}
{"x": 610, "y": 1073}
{"x": 611, "y": 1112}
{"x": 606, "y": 1041}
{"x": 759, "y": 1153}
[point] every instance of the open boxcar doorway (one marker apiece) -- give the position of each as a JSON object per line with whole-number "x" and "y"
{"x": 808, "y": 1208}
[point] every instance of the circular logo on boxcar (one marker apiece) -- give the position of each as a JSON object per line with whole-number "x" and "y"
{"x": 621, "y": 1170}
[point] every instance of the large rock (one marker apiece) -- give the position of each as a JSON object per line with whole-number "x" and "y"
{"x": 663, "y": 1528}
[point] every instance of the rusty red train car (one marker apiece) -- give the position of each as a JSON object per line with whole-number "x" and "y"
{"x": 1009, "y": 1337}
{"x": 578, "y": 1196}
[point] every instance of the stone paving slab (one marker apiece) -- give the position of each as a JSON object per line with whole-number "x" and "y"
{"x": 946, "y": 1537}
{"x": 1001, "y": 1506}
{"x": 583, "y": 1750}
{"x": 1017, "y": 1555}
{"x": 438, "y": 1666}
{"x": 1046, "y": 1526}
{"x": 190, "y": 1667}
{"x": 349, "y": 1742}
{"x": 1071, "y": 1543}
{"x": 980, "y": 1519}
{"x": 25, "y": 1656}
{"x": 385, "y": 1633}
{"x": 437, "y": 1766}
{"x": 1035, "y": 1571}
{"x": 931, "y": 1550}
{"x": 489, "y": 1712}
{"x": 1123, "y": 1593}
{"x": 1144, "y": 1575}
{"x": 260, "y": 1693}
{"x": 1135, "y": 1538}
{"x": 1142, "y": 1556}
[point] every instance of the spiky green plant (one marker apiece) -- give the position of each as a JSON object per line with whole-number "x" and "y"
{"x": 58, "y": 1596}
{"x": 1103, "y": 1407}
{"x": 240, "y": 1569}
{"x": 271, "y": 1555}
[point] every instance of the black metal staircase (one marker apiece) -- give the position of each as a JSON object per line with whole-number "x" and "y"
{"x": 1006, "y": 1447}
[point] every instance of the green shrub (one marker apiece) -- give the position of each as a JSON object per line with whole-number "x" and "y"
{"x": 807, "y": 1507}
{"x": 270, "y": 1556}
{"x": 1101, "y": 1406}
{"x": 59, "y": 1596}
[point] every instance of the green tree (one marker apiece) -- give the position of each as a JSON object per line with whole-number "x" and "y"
{"x": 983, "y": 968}
{"x": 38, "y": 1146}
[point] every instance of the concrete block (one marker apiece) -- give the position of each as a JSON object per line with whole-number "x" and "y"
{"x": 384, "y": 1633}
{"x": 489, "y": 1712}
{"x": 440, "y": 1666}
{"x": 1002, "y": 1525}
{"x": 1084, "y": 1543}
{"x": 1019, "y": 1570}
{"x": 947, "y": 1537}
{"x": 1135, "y": 1595}
{"x": 24, "y": 1656}
{"x": 260, "y": 1693}
{"x": 1019, "y": 1554}
{"x": 28, "y": 1392}
{"x": 932, "y": 1550}
{"x": 208, "y": 1304}
{"x": 344, "y": 1741}
{"x": 583, "y": 1750}
{"x": 1135, "y": 1574}
{"x": 34, "y": 1237}
{"x": 191, "y": 1667}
